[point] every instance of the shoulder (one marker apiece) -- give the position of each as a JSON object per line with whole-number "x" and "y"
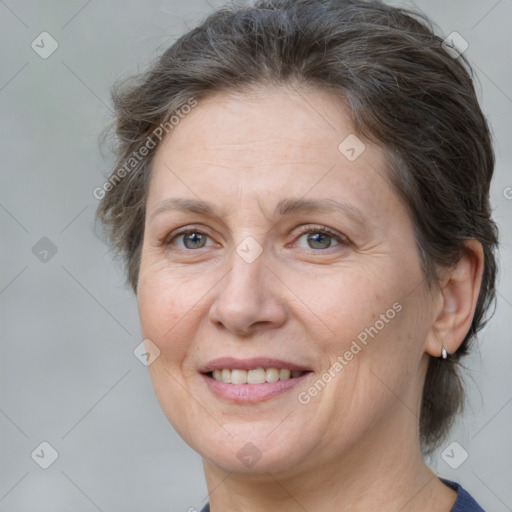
{"x": 464, "y": 502}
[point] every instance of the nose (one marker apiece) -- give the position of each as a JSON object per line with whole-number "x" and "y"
{"x": 249, "y": 298}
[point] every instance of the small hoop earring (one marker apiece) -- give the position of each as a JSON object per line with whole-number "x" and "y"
{"x": 444, "y": 353}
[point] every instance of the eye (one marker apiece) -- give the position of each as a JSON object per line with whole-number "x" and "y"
{"x": 192, "y": 239}
{"x": 317, "y": 238}
{"x": 321, "y": 238}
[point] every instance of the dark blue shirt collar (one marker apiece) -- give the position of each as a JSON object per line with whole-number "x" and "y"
{"x": 464, "y": 503}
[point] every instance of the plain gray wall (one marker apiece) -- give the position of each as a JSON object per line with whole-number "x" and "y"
{"x": 68, "y": 375}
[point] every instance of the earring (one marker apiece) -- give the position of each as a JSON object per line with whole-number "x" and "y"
{"x": 444, "y": 353}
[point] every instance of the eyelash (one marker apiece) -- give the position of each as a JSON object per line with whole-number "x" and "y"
{"x": 310, "y": 228}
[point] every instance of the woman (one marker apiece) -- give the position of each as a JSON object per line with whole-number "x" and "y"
{"x": 302, "y": 201}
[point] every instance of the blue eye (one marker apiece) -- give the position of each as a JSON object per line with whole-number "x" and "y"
{"x": 320, "y": 238}
{"x": 192, "y": 239}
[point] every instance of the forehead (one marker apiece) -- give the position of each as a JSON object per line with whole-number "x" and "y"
{"x": 269, "y": 143}
{"x": 273, "y": 122}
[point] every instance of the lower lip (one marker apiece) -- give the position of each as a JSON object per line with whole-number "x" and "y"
{"x": 249, "y": 393}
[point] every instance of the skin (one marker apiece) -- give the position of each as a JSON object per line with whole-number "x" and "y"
{"x": 355, "y": 445}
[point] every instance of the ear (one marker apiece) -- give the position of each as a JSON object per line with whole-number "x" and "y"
{"x": 455, "y": 301}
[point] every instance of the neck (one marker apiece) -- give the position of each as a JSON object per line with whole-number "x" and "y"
{"x": 384, "y": 471}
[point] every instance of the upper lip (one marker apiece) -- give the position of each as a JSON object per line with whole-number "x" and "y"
{"x": 250, "y": 364}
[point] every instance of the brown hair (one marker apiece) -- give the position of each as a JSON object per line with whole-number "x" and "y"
{"x": 403, "y": 91}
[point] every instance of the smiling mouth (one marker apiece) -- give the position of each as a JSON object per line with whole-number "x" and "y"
{"x": 253, "y": 376}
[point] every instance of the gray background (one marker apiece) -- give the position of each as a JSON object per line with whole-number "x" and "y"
{"x": 68, "y": 375}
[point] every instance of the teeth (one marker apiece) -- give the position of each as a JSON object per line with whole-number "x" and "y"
{"x": 284, "y": 374}
{"x": 271, "y": 374}
{"x": 255, "y": 376}
{"x": 238, "y": 376}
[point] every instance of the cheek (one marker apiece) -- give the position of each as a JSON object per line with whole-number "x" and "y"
{"x": 167, "y": 319}
{"x": 158, "y": 311}
{"x": 346, "y": 301}
{"x": 374, "y": 321}
{"x": 164, "y": 311}
{"x": 164, "y": 296}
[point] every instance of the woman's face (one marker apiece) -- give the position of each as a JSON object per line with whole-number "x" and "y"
{"x": 256, "y": 285}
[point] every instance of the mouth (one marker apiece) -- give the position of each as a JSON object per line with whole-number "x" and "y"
{"x": 251, "y": 380}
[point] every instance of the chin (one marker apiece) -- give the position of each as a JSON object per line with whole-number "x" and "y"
{"x": 250, "y": 449}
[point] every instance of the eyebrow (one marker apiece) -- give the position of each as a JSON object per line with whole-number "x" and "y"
{"x": 284, "y": 208}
